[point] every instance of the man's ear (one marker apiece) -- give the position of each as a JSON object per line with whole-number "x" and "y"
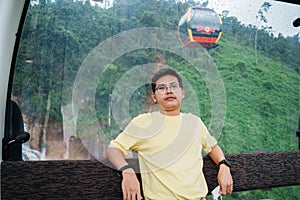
{"x": 153, "y": 97}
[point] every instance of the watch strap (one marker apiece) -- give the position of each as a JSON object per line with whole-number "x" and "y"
{"x": 225, "y": 162}
{"x": 125, "y": 167}
{"x": 128, "y": 166}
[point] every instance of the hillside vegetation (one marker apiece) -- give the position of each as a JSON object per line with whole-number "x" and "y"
{"x": 262, "y": 99}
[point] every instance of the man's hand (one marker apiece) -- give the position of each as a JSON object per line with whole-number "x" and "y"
{"x": 225, "y": 180}
{"x": 130, "y": 185}
{"x": 224, "y": 177}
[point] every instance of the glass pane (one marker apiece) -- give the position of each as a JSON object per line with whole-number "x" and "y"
{"x": 84, "y": 67}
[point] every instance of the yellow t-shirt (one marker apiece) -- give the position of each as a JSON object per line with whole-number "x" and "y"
{"x": 170, "y": 154}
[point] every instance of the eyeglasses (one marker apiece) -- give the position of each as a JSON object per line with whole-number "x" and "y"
{"x": 162, "y": 89}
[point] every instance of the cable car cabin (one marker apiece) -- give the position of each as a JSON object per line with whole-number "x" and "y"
{"x": 200, "y": 27}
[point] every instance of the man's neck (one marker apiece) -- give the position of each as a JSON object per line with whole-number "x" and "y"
{"x": 170, "y": 113}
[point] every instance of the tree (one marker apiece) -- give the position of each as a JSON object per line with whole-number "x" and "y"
{"x": 261, "y": 16}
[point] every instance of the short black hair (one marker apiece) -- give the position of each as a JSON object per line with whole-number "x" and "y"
{"x": 164, "y": 72}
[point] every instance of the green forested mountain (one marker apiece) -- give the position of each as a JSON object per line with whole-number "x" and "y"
{"x": 261, "y": 79}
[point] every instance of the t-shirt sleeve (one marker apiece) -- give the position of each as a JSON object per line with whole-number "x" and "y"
{"x": 127, "y": 139}
{"x": 208, "y": 141}
{"x": 124, "y": 142}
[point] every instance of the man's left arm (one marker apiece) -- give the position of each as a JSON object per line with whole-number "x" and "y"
{"x": 224, "y": 175}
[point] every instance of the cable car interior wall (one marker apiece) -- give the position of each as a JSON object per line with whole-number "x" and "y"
{"x": 73, "y": 179}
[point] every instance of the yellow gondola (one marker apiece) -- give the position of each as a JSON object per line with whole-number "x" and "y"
{"x": 200, "y": 27}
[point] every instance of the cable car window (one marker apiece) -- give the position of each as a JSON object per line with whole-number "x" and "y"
{"x": 82, "y": 71}
{"x": 206, "y": 17}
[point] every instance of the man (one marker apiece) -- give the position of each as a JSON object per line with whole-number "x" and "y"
{"x": 169, "y": 144}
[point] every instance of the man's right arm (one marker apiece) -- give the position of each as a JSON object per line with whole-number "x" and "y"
{"x": 116, "y": 157}
{"x": 130, "y": 183}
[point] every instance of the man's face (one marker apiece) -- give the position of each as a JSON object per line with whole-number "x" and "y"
{"x": 168, "y": 94}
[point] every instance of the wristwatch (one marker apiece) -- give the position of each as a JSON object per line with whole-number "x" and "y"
{"x": 225, "y": 162}
{"x": 124, "y": 168}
